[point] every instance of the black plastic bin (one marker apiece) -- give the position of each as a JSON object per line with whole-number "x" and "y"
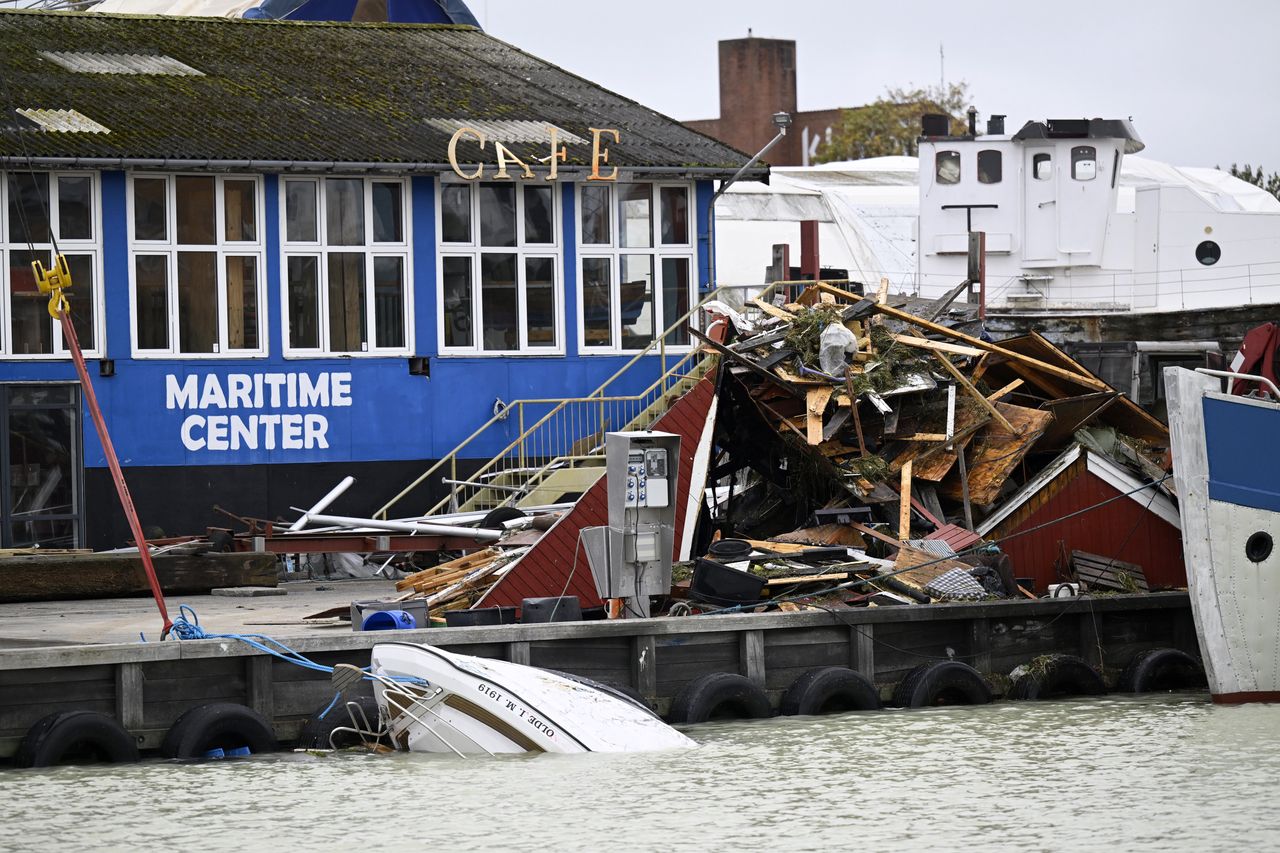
{"x": 715, "y": 583}
{"x": 553, "y": 609}
{"x": 472, "y": 618}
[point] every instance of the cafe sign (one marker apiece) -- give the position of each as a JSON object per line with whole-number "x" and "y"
{"x": 505, "y": 157}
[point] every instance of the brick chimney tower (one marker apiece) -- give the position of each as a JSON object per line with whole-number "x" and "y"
{"x": 757, "y": 79}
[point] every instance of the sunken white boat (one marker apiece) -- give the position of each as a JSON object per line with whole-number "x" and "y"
{"x": 1228, "y": 481}
{"x": 437, "y": 701}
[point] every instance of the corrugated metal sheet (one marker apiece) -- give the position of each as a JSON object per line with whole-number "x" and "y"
{"x": 549, "y": 566}
{"x": 63, "y": 121}
{"x": 1121, "y": 529}
{"x": 120, "y": 63}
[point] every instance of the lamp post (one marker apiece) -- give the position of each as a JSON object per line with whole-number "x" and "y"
{"x": 782, "y": 121}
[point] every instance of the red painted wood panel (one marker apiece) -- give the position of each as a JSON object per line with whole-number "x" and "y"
{"x": 1123, "y": 530}
{"x": 548, "y": 568}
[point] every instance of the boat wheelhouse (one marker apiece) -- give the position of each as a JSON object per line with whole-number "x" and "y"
{"x": 303, "y": 251}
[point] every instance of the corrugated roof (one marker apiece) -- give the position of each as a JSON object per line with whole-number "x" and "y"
{"x": 298, "y": 91}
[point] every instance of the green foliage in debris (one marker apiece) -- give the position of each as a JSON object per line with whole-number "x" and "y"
{"x": 871, "y": 467}
{"x": 805, "y": 334}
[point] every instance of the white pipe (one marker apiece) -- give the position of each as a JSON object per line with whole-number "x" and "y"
{"x": 322, "y": 504}
{"x": 408, "y": 527}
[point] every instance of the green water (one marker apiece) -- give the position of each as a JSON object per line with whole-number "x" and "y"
{"x": 1117, "y": 773}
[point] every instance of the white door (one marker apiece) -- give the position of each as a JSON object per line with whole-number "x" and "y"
{"x": 1040, "y": 208}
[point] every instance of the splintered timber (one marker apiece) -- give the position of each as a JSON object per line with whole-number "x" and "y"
{"x": 265, "y": 392}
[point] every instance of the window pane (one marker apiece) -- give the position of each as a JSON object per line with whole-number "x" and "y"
{"x": 989, "y": 167}
{"x": 497, "y": 214}
{"x": 304, "y": 303}
{"x": 344, "y": 211}
{"x": 81, "y": 298}
{"x": 1042, "y": 166}
{"x": 41, "y": 475}
{"x": 75, "y": 208}
{"x": 540, "y": 301}
{"x": 455, "y": 213}
{"x": 28, "y": 308}
{"x": 240, "y": 210}
{"x": 635, "y": 215}
{"x": 635, "y": 302}
{"x": 675, "y": 298}
{"x": 457, "y": 302}
{"x": 538, "y": 223}
{"x": 152, "y": 286}
{"x": 149, "y": 217}
{"x": 499, "y": 303}
{"x": 675, "y": 215}
{"x": 197, "y": 302}
{"x": 242, "y": 303}
{"x": 1084, "y": 162}
{"x": 947, "y": 167}
{"x": 28, "y": 195}
{"x": 595, "y": 215}
{"x": 196, "y": 211}
{"x": 346, "y": 302}
{"x": 388, "y": 302}
{"x": 388, "y": 213}
{"x": 300, "y": 211}
{"x": 597, "y": 302}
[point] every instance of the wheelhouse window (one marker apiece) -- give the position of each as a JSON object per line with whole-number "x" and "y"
{"x": 500, "y": 258}
{"x": 990, "y": 166}
{"x": 197, "y": 265}
{"x": 1084, "y": 163}
{"x": 37, "y": 208}
{"x": 1042, "y": 166}
{"x": 947, "y": 167}
{"x": 346, "y": 266}
{"x": 637, "y": 264}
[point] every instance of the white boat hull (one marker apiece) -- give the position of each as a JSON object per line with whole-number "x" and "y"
{"x": 476, "y": 706}
{"x": 1228, "y": 485}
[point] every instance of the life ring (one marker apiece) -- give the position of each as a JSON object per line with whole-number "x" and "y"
{"x": 828, "y": 690}
{"x": 75, "y": 737}
{"x": 1157, "y": 670}
{"x": 1050, "y": 676}
{"x": 317, "y": 731}
{"x": 946, "y": 682}
{"x": 218, "y": 726}
{"x": 719, "y": 695}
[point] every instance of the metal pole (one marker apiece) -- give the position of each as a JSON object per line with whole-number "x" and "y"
{"x": 117, "y": 476}
{"x": 711, "y": 208}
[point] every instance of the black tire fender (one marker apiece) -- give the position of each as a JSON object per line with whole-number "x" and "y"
{"x": 71, "y": 737}
{"x": 316, "y": 730}
{"x": 218, "y": 725}
{"x": 1158, "y": 670}
{"x": 946, "y": 682}
{"x": 829, "y": 689}
{"x": 719, "y": 695}
{"x": 1051, "y": 676}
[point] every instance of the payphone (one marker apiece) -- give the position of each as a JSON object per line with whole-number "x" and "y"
{"x": 631, "y": 557}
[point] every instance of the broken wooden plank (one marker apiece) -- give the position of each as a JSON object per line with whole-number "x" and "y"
{"x": 837, "y": 422}
{"x": 996, "y": 453}
{"x": 1008, "y": 389}
{"x": 464, "y": 562}
{"x": 973, "y": 392}
{"x": 833, "y": 577}
{"x": 938, "y": 346}
{"x": 904, "y": 504}
{"x": 816, "y": 400}
{"x": 772, "y": 310}
{"x": 1098, "y": 572}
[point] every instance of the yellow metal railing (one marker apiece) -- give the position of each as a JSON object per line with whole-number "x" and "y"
{"x": 570, "y": 433}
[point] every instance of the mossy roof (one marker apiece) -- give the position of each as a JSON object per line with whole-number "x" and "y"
{"x": 314, "y": 92}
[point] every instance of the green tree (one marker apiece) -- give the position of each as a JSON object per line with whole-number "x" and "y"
{"x": 891, "y": 124}
{"x": 1270, "y": 183}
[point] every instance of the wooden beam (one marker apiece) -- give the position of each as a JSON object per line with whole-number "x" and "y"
{"x": 975, "y": 393}
{"x": 938, "y": 346}
{"x": 772, "y": 310}
{"x": 816, "y": 400}
{"x": 946, "y": 331}
{"x": 904, "y": 504}
{"x": 1015, "y": 384}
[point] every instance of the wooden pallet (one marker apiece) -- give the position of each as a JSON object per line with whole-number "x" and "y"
{"x": 1097, "y": 572}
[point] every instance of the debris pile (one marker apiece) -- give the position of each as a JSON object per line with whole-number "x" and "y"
{"x": 915, "y": 446}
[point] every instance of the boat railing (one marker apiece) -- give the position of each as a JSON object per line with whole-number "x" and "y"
{"x": 1247, "y": 377}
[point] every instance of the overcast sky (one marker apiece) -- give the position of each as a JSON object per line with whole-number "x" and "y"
{"x": 1199, "y": 79}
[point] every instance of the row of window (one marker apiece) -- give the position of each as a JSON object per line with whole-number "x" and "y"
{"x": 198, "y": 260}
{"x": 1084, "y": 165}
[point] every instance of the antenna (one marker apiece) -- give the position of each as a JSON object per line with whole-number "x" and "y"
{"x": 942, "y": 70}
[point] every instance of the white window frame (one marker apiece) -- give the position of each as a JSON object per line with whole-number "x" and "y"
{"x": 170, "y": 248}
{"x": 614, "y": 252}
{"x": 91, "y": 247}
{"x": 320, "y": 249}
{"x": 523, "y": 251}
